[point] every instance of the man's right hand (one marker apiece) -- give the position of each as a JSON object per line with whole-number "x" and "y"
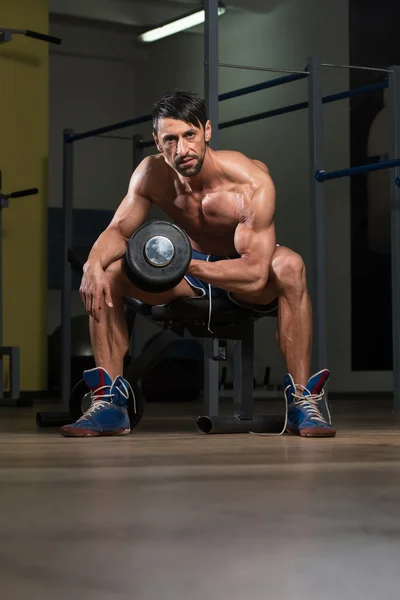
{"x": 110, "y": 246}
{"x": 95, "y": 287}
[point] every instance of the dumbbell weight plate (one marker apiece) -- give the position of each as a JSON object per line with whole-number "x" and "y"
{"x": 157, "y": 256}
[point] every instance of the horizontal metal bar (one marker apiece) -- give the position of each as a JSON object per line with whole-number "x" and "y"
{"x": 301, "y": 105}
{"x": 116, "y": 137}
{"x": 22, "y": 193}
{"x": 269, "y": 69}
{"x": 365, "y": 89}
{"x": 384, "y": 164}
{"x": 43, "y": 37}
{"x": 242, "y": 92}
{"x": 250, "y": 119}
{"x": 33, "y": 34}
{"x": 271, "y": 424}
{"x": 100, "y": 130}
{"x": 291, "y": 108}
{"x": 264, "y": 115}
{"x": 10, "y": 30}
{"x": 265, "y": 85}
{"x": 361, "y": 68}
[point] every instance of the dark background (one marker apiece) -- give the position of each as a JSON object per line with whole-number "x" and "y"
{"x": 374, "y": 41}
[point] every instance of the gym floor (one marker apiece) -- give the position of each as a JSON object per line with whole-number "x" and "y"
{"x": 169, "y": 514}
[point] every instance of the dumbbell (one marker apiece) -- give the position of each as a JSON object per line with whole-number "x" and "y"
{"x": 157, "y": 256}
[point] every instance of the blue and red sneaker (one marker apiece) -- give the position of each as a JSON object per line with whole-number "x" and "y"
{"x": 304, "y": 415}
{"x": 108, "y": 413}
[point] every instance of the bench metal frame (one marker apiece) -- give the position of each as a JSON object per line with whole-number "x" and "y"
{"x": 241, "y": 332}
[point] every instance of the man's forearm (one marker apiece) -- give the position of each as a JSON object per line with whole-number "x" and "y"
{"x": 109, "y": 247}
{"x": 235, "y": 275}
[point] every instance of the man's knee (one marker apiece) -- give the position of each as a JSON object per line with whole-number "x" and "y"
{"x": 289, "y": 270}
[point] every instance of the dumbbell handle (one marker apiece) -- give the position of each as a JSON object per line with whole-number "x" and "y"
{"x": 21, "y": 193}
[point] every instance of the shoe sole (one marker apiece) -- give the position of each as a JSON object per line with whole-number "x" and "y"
{"x": 319, "y": 434}
{"x": 310, "y": 434}
{"x": 89, "y": 433}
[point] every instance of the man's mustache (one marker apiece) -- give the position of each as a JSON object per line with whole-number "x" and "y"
{"x": 181, "y": 160}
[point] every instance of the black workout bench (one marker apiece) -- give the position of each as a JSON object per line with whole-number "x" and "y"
{"x": 228, "y": 322}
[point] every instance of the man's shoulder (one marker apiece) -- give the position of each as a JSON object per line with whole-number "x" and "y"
{"x": 242, "y": 165}
{"x": 154, "y": 162}
{"x": 153, "y": 168}
{"x": 151, "y": 175}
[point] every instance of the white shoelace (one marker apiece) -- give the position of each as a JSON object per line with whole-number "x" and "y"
{"x": 98, "y": 399}
{"x": 310, "y": 403}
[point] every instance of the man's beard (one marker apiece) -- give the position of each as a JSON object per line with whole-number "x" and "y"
{"x": 190, "y": 170}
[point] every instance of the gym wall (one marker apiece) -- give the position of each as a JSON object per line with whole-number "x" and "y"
{"x": 24, "y": 162}
{"x": 92, "y": 83}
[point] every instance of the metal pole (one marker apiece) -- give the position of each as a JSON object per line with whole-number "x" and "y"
{"x": 1, "y": 299}
{"x": 317, "y": 233}
{"x": 243, "y": 371}
{"x": 211, "y": 381}
{"x": 66, "y": 298}
{"x": 211, "y": 67}
{"x": 1, "y": 283}
{"x": 137, "y": 150}
{"x": 394, "y": 149}
{"x": 267, "y": 69}
{"x": 211, "y": 367}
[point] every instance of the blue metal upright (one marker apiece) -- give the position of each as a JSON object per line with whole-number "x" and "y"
{"x": 317, "y": 230}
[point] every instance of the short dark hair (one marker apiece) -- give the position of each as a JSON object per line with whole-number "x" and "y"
{"x": 182, "y": 106}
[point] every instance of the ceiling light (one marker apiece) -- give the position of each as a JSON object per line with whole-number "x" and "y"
{"x": 190, "y": 20}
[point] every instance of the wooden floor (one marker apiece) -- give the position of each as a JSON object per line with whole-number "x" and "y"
{"x": 170, "y": 514}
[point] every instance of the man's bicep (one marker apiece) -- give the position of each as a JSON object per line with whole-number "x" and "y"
{"x": 130, "y": 215}
{"x": 255, "y": 237}
{"x": 256, "y": 245}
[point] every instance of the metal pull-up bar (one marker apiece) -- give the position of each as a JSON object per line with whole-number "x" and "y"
{"x": 283, "y": 110}
{"x": 380, "y": 166}
{"x": 6, "y": 35}
{"x": 250, "y": 89}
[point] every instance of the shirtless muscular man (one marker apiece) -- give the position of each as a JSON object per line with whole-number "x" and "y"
{"x": 225, "y": 202}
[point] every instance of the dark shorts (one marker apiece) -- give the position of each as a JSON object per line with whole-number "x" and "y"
{"x": 209, "y": 290}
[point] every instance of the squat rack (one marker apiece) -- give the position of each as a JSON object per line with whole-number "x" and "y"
{"x": 317, "y": 176}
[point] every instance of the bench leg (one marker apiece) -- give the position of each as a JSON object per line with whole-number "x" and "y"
{"x": 243, "y": 371}
{"x": 211, "y": 381}
{"x": 14, "y": 373}
{"x": 14, "y": 395}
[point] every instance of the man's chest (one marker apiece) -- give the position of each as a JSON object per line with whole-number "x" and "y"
{"x": 221, "y": 209}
